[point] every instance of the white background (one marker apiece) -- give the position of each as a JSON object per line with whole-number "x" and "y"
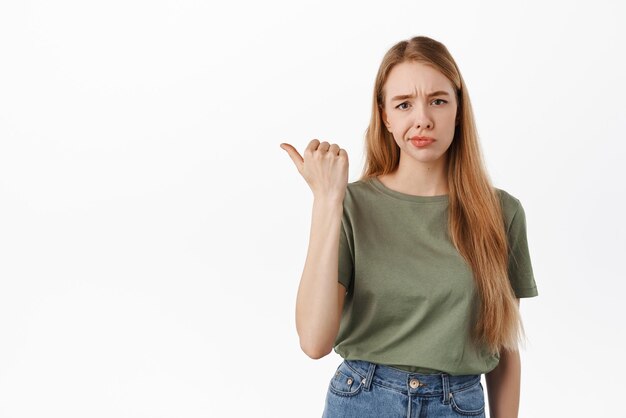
{"x": 153, "y": 233}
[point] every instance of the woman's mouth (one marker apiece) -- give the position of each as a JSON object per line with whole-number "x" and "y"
{"x": 421, "y": 141}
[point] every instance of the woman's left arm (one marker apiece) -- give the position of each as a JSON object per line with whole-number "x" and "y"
{"x": 503, "y": 385}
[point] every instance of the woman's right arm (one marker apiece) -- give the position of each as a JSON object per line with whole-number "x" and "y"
{"x": 320, "y": 295}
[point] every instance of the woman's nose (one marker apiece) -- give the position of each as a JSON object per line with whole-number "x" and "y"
{"x": 422, "y": 119}
{"x": 423, "y": 124}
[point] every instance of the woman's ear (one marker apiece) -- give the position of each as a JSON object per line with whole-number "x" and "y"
{"x": 387, "y": 124}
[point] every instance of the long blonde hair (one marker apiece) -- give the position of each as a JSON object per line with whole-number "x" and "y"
{"x": 475, "y": 220}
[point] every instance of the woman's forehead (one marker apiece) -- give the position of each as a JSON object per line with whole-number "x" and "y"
{"x": 417, "y": 79}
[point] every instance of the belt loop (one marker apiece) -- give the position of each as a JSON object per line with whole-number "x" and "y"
{"x": 446, "y": 388}
{"x": 370, "y": 376}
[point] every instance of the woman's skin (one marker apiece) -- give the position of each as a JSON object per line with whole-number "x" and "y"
{"x": 421, "y": 171}
{"x": 320, "y": 298}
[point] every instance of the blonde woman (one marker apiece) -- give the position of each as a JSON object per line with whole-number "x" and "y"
{"x": 414, "y": 272}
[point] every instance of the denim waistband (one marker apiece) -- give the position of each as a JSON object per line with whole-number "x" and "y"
{"x": 440, "y": 384}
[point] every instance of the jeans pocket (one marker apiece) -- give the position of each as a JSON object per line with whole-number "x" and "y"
{"x": 346, "y": 382}
{"x": 468, "y": 401}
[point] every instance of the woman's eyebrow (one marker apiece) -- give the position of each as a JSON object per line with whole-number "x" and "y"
{"x": 410, "y": 96}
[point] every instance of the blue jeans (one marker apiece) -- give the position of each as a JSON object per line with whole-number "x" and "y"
{"x": 363, "y": 389}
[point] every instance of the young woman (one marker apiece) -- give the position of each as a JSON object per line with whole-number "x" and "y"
{"x": 414, "y": 272}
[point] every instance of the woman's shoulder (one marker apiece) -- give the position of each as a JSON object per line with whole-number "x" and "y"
{"x": 506, "y": 196}
{"x": 359, "y": 193}
{"x": 360, "y": 184}
{"x": 510, "y": 203}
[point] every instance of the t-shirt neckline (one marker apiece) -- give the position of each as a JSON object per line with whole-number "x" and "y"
{"x": 407, "y": 197}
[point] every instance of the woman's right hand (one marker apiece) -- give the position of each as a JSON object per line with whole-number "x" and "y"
{"x": 324, "y": 168}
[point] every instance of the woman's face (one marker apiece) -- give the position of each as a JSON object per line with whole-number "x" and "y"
{"x": 411, "y": 109}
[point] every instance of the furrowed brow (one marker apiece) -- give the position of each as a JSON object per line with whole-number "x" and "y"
{"x": 410, "y": 96}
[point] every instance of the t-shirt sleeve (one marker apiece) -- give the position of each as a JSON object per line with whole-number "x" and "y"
{"x": 520, "y": 267}
{"x": 346, "y": 260}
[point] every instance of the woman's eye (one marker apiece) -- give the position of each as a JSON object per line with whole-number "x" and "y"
{"x": 406, "y": 103}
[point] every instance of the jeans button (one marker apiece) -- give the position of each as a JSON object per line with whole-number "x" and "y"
{"x": 414, "y": 383}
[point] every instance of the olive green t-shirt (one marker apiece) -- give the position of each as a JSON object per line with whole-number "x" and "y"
{"x": 410, "y": 293}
